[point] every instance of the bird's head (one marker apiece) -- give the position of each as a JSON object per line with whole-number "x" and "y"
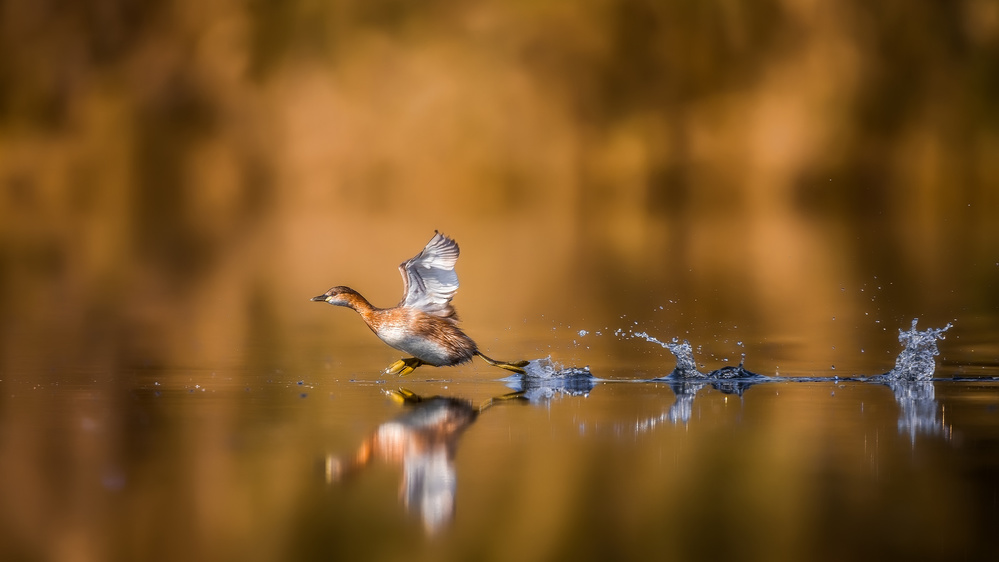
{"x": 338, "y": 296}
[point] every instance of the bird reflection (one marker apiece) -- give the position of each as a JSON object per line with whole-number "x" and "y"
{"x": 423, "y": 440}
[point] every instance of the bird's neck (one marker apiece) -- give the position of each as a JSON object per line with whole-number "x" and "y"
{"x": 360, "y": 304}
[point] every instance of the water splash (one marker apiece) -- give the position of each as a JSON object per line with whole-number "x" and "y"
{"x": 545, "y": 368}
{"x": 916, "y": 362}
{"x": 735, "y": 372}
{"x": 686, "y": 367}
{"x": 544, "y": 379}
{"x": 911, "y": 381}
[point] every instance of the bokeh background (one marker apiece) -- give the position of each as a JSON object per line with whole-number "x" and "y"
{"x": 790, "y": 179}
{"x": 176, "y": 176}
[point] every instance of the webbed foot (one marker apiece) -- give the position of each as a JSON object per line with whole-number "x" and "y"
{"x": 403, "y": 367}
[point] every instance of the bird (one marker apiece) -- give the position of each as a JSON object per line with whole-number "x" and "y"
{"x": 424, "y": 324}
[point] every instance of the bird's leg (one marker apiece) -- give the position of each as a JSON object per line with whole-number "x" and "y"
{"x": 518, "y": 395}
{"x": 403, "y": 367}
{"x": 513, "y": 366}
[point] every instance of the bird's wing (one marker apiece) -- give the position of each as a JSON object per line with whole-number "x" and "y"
{"x": 428, "y": 279}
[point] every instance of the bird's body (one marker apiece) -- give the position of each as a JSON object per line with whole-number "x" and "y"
{"x": 423, "y": 324}
{"x": 432, "y": 339}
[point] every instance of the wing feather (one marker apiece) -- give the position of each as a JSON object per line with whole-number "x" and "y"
{"x": 429, "y": 281}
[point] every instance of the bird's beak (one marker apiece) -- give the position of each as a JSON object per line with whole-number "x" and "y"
{"x": 320, "y": 298}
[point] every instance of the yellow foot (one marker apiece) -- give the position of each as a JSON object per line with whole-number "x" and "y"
{"x": 403, "y": 367}
{"x": 513, "y": 366}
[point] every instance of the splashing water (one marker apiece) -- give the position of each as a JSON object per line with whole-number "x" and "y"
{"x": 545, "y": 368}
{"x": 686, "y": 367}
{"x": 545, "y": 379}
{"x": 916, "y": 362}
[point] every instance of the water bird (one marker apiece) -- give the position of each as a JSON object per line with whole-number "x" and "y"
{"x": 423, "y": 324}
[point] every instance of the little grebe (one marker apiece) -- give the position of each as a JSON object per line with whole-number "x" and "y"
{"x": 423, "y": 324}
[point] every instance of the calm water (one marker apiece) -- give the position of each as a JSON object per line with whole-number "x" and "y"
{"x": 320, "y": 460}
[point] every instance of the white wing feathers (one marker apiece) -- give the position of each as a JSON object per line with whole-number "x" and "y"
{"x": 429, "y": 280}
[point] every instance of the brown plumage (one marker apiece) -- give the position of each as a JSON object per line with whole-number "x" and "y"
{"x": 423, "y": 324}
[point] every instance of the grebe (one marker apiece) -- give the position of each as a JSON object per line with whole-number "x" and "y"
{"x": 423, "y": 324}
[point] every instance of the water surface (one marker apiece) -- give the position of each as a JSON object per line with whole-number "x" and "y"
{"x": 318, "y": 462}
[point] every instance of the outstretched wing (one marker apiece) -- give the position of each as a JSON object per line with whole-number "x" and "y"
{"x": 429, "y": 281}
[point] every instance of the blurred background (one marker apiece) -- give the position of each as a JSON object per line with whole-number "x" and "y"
{"x": 790, "y": 179}
{"x": 177, "y": 177}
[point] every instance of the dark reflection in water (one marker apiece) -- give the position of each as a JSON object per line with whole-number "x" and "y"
{"x": 423, "y": 440}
